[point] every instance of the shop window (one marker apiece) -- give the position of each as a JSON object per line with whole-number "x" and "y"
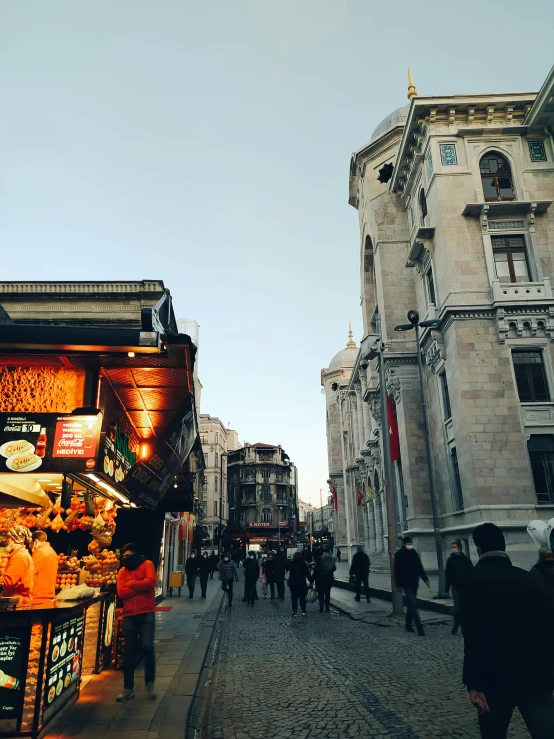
{"x": 510, "y": 258}
{"x": 266, "y": 515}
{"x": 458, "y": 494}
{"x": 445, "y": 397}
{"x": 541, "y": 456}
{"x": 422, "y": 207}
{"x": 496, "y": 177}
{"x": 530, "y": 372}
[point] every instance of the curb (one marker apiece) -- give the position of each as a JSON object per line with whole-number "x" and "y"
{"x": 422, "y": 603}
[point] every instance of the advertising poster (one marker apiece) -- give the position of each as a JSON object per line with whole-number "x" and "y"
{"x": 14, "y": 647}
{"x": 64, "y": 662}
{"x": 49, "y": 442}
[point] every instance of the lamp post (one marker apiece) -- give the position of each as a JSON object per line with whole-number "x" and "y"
{"x": 279, "y": 527}
{"x": 416, "y": 324}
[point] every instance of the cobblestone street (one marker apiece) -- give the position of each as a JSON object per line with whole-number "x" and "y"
{"x": 326, "y": 675}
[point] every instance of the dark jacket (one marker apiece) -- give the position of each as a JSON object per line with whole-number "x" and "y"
{"x": 360, "y": 565}
{"x": 205, "y": 566}
{"x": 324, "y": 568}
{"x": 251, "y": 570}
{"x": 507, "y": 623}
{"x": 269, "y": 570}
{"x": 408, "y": 569}
{"x": 544, "y": 577}
{"x": 228, "y": 571}
{"x": 192, "y": 565}
{"x": 458, "y": 571}
{"x": 214, "y": 559}
{"x": 299, "y": 576}
{"x": 280, "y": 566}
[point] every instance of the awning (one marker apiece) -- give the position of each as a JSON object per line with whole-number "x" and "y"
{"x": 18, "y": 491}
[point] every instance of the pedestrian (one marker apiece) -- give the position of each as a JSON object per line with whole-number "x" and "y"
{"x": 263, "y": 577}
{"x": 269, "y": 570}
{"x": 507, "y": 624}
{"x": 205, "y": 566}
{"x": 407, "y": 572}
{"x": 360, "y": 570}
{"x": 458, "y": 573}
{"x": 136, "y": 582}
{"x": 192, "y": 571}
{"x": 214, "y": 562}
{"x": 45, "y": 560}
{"x": 237, "y": 558}
{"x": 280, "y": 569}
{"x": 251, "y": 575}
{"x": 309, "y": 557}
{"x": 228, "y": 575}
{"x": 324, "y": 579}
{"x": 299, "y": 578}
{"x": 339, "y": 555}
{"x": 18, "y": 578}
{"x": 543, "y": 572}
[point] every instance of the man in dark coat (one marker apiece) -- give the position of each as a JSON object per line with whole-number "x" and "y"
{"x": 360, "y": 570}
{"x": 214, "y": 561}
{"x": 458, "y": 572}
{"x": 280, "y": 569}
{"x": 192, "y": 570}
{"x": 251, "y": 575}
{"x": 299, "y": 577}
{"x": 543, "y": 572}
{"x": 204, "y": 572}
{"x": 324, "y": 579}
{"x": 507, "y": 623}
{"x": 269, "y": 571}
{"x": 408, "y": 570}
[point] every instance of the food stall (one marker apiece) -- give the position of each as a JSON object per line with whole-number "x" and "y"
{"x": 96, "y": 425}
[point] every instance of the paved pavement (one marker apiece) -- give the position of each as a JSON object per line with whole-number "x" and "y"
{"x": 328, "y": 676}
{"x": 182, "y": 637}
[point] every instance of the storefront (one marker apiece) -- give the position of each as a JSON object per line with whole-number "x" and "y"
{"x": 96, "y": 428}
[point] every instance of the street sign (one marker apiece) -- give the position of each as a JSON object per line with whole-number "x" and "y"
{"x": 282, "y": 524}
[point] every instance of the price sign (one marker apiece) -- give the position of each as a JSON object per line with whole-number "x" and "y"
{"x": 64, "y": 662}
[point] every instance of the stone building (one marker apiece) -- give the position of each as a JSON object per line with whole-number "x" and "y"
{"x": 262, "y": 493}
{"x": 216, "y": 441}
{"x": 454, "y": 197}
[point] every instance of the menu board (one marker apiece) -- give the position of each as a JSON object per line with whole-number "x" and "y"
{"x": 51, "y": 442}
{"x": 14, "y": 648}
{"x": 117, "y": 458}
{"x": 64, "y": 661}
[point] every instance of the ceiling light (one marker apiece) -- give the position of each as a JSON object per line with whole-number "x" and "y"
{"x": 94, "y": 478}
{"x": 131, "y": 354}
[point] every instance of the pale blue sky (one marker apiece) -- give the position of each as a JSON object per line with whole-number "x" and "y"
{"x": 207, "y": 143}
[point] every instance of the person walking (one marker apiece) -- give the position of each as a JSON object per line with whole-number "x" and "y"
{"x": 299, "y": 579}
{"x": 251, "y": 575}
{"x": 543, "y": 572}
{"x": 228, "y": 575}
{"x": 324, "y": 579}
{"x": 280, "y": 569}
{"x": 507, "y": 625}
{"x": 192, "y": 570}
{"x": 205, "y": 566}
{"x": 263, "y": 577}
{"x": 458, "y": 572}
{"x": 360, "y": 570}
{"x": 339, "y": 555}
{"x": 407, "y": 572}
{"x": 269, "y": 570}
{"x": 136, "y": 581}
{"x": 45, "y": 561}
{"x": 214, "y": 563}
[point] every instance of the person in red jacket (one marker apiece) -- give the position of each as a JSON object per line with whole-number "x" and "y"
{"x": 19, "y": 576}
{"x": 136, "y": 581}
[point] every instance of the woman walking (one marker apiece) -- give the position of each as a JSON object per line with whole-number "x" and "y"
{"x": 324, "y": 579}
{"x": 299, "y": 579}
{"x": 228, "y": 575}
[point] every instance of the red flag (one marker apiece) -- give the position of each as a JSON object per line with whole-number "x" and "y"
{"x": 393, "y": 432}
{"x": 360, "y": 498}
{"x": 335, "y": 499}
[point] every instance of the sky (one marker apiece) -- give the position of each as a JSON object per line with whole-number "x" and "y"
{"x": 208, "y": 144}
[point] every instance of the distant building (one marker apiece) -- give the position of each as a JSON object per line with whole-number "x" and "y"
{"x": 215, "y": 440}
{"x": 262, "y": 494}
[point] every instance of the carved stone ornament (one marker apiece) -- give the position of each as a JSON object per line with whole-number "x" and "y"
{"x": 375, "y": 407}
{"x": 434, "y": 352}
{"x": 525, "y": 324}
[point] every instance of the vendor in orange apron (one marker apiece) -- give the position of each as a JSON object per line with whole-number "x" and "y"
{"x": 19, "y": 575}
{"x": 45, "y": 560}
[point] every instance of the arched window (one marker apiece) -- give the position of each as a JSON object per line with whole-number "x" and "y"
{"x": 422, "y": 206}
{"x": 266, "y": 515}
{"x": 376, "y": 483}
{"x": 496, "y": 177}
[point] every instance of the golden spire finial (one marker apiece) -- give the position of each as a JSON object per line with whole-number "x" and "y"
{"x": 412, "y": 92}
{"x": 351, "y": 341}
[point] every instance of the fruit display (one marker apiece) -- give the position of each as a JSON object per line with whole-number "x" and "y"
{"x": 101, "y": 570}
{"x": 69, "y": 564}
{"x": 66, "y": 580}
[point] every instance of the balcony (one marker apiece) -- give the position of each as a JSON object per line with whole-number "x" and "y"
{"x": 522, "y": 292}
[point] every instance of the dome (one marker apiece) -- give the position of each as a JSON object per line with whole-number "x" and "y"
{"x": 397, "y": 118}
{"x": 345, "y": 359}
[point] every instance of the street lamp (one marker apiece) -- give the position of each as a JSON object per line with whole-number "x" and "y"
{"x": 416, "y": 324}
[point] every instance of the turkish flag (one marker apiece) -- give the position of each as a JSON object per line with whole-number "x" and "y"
{"x": 335, "y": 500}
{"x": 393, "y": 432}
{"x": 360, "y": 498}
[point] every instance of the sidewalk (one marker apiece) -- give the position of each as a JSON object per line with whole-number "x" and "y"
{"x": 182, "y": 637}
{"x": 380, "y": 587}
